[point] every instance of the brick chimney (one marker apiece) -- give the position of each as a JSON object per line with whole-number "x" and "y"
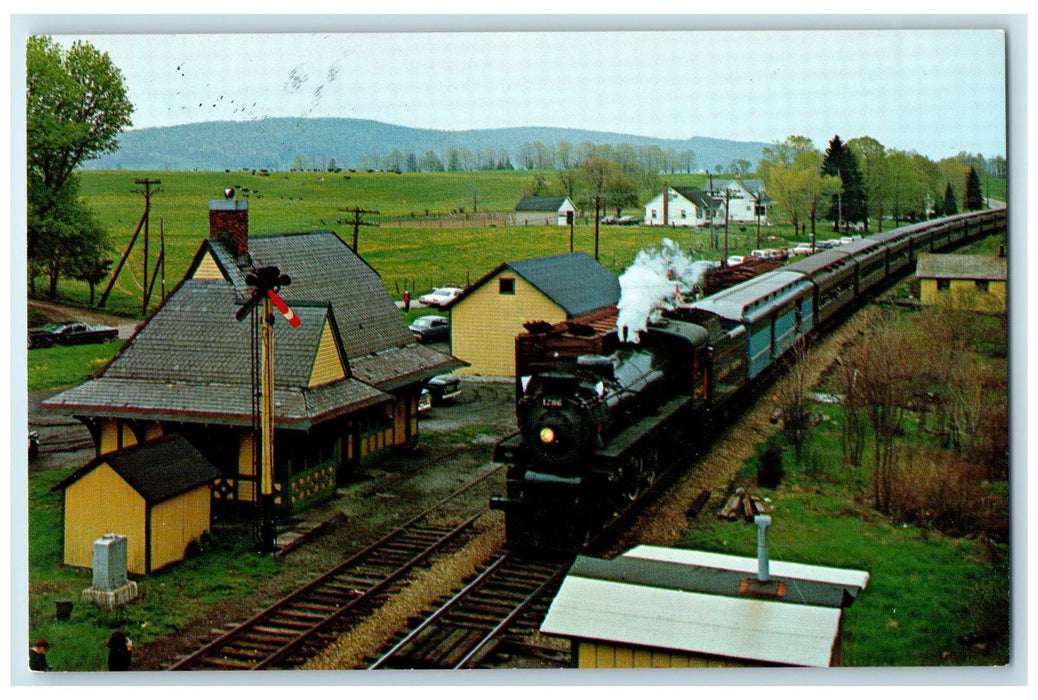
{"x": 229, "y": 220}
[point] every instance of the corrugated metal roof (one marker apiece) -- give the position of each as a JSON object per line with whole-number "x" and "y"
{"x": 961, "y": 267}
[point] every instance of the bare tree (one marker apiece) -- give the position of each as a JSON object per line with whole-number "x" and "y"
{"x": 794, "y": 400}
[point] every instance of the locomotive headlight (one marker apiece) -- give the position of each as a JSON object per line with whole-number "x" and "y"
{"x": 547, "y": 436}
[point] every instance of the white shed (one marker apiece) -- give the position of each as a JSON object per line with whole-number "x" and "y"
{"x": 659, "y": 607}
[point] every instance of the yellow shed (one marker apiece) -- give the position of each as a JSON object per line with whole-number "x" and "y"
{"x": 486, "y": 319}
{"x": 976, "y": 282}
{"x": 156, "y": 493}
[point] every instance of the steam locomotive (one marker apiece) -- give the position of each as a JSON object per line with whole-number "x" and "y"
{"x": 600, "y": 419}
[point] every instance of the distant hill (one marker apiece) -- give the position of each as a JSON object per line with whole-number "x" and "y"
{"x": 278, "y": 143}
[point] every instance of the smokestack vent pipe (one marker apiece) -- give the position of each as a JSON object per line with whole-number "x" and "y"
{"x": 762, "y": 522}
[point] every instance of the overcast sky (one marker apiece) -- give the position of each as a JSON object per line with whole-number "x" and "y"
{"x": 936, "y": 91}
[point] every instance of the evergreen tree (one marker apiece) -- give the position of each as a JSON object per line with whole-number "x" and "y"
{"x": 950, "y": 207}
{"x": 974, "y": 197}
{"x": 851, "y": 203}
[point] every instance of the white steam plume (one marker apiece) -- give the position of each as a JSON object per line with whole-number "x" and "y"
{"x": 656, "y": 280}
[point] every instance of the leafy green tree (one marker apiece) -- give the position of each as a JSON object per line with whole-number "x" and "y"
{"x": 76, "y": 107}
{"x": 904, "y": 184}
{"x": 974, "y": 196}
{"x": 871, "y": 157}
{"x": 850, "y": 203}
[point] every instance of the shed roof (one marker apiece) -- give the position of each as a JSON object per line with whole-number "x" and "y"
{"x": 535, "y": 203}
{"x": 650, "y": 597}
{"x": 574, "y": 281}
{"x": 158, "y": 470}
{"x": 961, "y": 267}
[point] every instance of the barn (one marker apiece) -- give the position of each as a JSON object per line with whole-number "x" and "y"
{"x": 657, "y": 607}
{"x": 346, "y": 381}
{"x": 486, "y": 319}
{"x": 976, "y": 282}
{"x": 156, "y": 493}
{"x": 543, "y": 211}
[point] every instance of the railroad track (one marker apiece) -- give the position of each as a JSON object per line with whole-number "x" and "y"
{"x": 303, "y": 623}
{"x": 505, "y": 600}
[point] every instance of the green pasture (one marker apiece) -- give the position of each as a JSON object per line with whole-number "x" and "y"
{"x": 428, "y": 234}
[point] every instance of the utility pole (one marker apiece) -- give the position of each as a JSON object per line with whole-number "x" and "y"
{"x": 142, "y": 224}
{"x": 147, "y": 182}
{"x": 357, "y": 223}
{"x": 597, "y": 205}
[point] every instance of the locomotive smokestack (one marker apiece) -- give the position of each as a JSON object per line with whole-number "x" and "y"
{"x": 762, "y": 522}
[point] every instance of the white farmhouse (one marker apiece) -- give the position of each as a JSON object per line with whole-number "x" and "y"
{"x": 543, "y": 211}
{"x": 682, "y": 206}
{"x": 743, "y": 198}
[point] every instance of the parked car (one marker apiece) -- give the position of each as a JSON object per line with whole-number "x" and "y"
{"x": 628, "y": 221}
{"x": 440, "y": 297}
{"x": 70, "y": 333}
{"x": 430, "y": 329}
{"x": 443, "y": 389}
{"x": 734, "y": 260}
{"x": 608, "y": 220}
{"x": 424, "y": 401}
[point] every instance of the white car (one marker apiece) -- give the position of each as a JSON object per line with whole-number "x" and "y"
{"x": 440, "y": 297}
{"x": 734, "y": 260}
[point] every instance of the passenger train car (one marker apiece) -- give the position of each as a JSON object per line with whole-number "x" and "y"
{"x": 596, "y": 430}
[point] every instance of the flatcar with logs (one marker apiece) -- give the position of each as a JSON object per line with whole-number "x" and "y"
{"x": 601, "y": 417}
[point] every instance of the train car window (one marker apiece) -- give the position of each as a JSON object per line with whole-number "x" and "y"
{"x": 982, "y": 285}
{"x": 943, "y": 285}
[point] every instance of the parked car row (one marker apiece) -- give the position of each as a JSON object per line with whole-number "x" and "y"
{"x": 70, "y": 333}
{"x": 620, "y": 220}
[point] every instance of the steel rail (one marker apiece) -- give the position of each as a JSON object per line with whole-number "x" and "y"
{"x": 442, "y": 610}
{"x": 399, "y": 531}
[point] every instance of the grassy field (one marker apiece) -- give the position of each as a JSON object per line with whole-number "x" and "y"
{"x": 419, "y": 244}
{"x": 925, "y": 589}
{"x": 59, "y": 366}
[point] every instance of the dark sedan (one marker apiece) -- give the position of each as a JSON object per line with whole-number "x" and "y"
{"x": 430, "y": 329}
{"x": 70, "y": 333}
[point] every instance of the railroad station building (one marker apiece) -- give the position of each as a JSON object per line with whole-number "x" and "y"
{"x": 486, "y": 319}
{"x": 656, "y": 607}
{"x": 347, "y": 381}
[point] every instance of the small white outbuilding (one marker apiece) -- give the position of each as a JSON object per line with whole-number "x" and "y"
{"x": 657, "y": 607}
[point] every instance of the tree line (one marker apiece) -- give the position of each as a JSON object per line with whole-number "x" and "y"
{"x": 854, "y": 182}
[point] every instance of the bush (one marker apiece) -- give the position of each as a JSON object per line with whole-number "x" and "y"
{"x": 947, "y": 492}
